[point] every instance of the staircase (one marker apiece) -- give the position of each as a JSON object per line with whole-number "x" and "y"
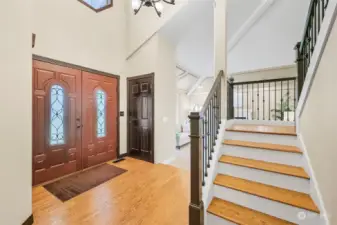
{"x": 253, "y": 172}
{"x": 260, "y": 179}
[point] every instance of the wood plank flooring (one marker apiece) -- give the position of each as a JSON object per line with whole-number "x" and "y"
{"x": 242, "y": 215}
{"x": 264, "y": 129}
{"x": 147, "y": 194}
{"x": 293, "y": 198}
{"x": 266, "y": 146}
{"x": 266, "y": 166}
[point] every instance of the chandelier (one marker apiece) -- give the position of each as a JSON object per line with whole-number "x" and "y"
{"x": 156, "y": 4}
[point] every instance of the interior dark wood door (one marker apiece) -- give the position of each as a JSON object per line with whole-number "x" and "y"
{"x": 56, "y": 121}
{"x": 99, "y": 112}
{"x": 140, "y": 117}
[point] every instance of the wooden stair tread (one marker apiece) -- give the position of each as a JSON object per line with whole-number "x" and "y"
{"x": 293, "y": 198}
{"x": 266, "y": 166}
{"x": 267, "y": 146}
{"x": 264, "y": 129}
{"x": 242, "y": 215}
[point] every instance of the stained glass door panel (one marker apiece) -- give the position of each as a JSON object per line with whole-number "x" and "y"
{"x": 56, "y": 114}
{"x": 99, "y": 111}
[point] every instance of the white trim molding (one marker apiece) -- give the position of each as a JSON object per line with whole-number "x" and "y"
{"x": 263, "y": 69}
{"x": 323, "y": 37}
{"x": 314, "y": 192}
{"x": 243, "y": 30}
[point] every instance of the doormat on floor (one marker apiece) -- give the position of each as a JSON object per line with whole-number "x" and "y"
{"x": 76, "y": 184}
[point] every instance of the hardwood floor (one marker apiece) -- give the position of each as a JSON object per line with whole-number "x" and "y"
{"x": 146, "y": 194}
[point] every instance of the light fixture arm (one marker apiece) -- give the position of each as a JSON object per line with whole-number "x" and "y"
{"x": 155, "y": 8}
{"x": 140, "y": 6}
{"x": 172, "y": 2}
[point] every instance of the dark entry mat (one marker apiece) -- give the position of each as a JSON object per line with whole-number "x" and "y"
{"x": 76, "y": 184}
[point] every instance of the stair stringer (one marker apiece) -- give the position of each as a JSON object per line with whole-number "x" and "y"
{"x": 208, "y": 189}
{"x": 314, "y": 187}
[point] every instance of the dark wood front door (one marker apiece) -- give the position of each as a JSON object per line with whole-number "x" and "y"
{"x": 56, "y": 119}
{"x": 99, "y": 112}
{"x": 140, "y": 117}
{"x": 75, "y": 123}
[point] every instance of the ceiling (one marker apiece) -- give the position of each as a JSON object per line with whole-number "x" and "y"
{"x": 191, "y": 31}
{"x": 238, "y": 12}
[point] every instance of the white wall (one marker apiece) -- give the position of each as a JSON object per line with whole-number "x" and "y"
{"x": 220, "y": 47}
{"x": 183, "y": 108}
{"x": 318, "y": 126}
{"x": 157, "y": 56}
{"x": 147, "y": 23}
{"x": 16, "y": 112}
{"x": 266, "y": 74}
{"x": 270, "y": 42}
{"x": 165, "y": 101}
{"x": 71, "y": 32}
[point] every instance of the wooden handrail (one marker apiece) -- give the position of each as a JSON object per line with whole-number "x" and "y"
{"x": 305, "y": 48}
{"x": 211, "y": 92}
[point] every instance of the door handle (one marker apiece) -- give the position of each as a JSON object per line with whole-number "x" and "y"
{"x": 78, "y": 123}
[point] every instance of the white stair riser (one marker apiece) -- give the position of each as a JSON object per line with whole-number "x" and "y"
{"x": 265, "y": 138}
{"x": 264, "y": 122}
{"x": 269, "y": 207}
{"x": 285, "y": 158}
{"x": 265, "y": 177}
{"x": 215, "y": 220}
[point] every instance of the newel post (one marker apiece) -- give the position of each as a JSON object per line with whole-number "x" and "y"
{"x": 230, "y": 100}
{"x": 196, "y": 208}
{"x": 300, "y": 69}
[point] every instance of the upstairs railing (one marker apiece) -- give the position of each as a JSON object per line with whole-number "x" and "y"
{"x": 262, "y": 100}
{"x": 204, "y": 129}
{"x": 306, "y": 47}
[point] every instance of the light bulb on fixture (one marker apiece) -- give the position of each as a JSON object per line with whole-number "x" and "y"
{"x": 135, "y": 4}
{"x": 159, "y": 6}
{"x": 156, "y": 4}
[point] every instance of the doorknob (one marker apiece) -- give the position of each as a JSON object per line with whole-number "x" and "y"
{"x": 78, "y": 123}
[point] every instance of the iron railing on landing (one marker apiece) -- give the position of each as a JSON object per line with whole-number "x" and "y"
{"x": 204, "y": 129}
{"x": 262, "y": 100}
{"x": 305, "y": 48}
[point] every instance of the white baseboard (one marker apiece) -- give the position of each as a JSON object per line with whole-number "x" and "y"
{"x": 169, "y": 160}
{"x": 315, "y": 192}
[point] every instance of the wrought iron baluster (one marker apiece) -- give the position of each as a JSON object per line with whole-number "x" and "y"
{"x": 275, "y": 91}
{"x": 253, "y": 114}
{"x": 241, "y": 101}
{"x": 288, "y": 96}
{"x": 263, "y": 99}
{"x": 269, "y": 100}
{"x": 237, "y": 101}
{"x": 281, "y": 109}
{"x": 204, "y": 150}
{"x": 258, "y": 101}
{"x": 247, "y": 104}
{"x": 208, "y": 135}
{"x": 212, "y": 127}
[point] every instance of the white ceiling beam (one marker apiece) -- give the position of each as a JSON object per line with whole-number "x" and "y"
{"x": 196, "y": 85}
{"x": 189, "y": 72}
{"x": 184, "y": 74}
{"x": 243, "y": 30}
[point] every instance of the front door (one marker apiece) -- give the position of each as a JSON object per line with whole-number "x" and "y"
{"x": 140, "y": 117}
{"x": 74, "y": 120}
{"x": 99, "y": 112}
{"x": 56, "y": 121}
